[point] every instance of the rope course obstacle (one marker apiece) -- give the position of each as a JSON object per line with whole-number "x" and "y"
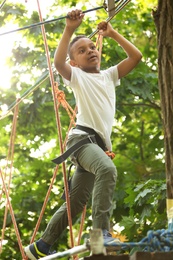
{"x": 161, "y": 240}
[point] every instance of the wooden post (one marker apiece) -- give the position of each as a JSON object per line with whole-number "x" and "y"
{"x": 135, "y": 256}
{"x": 111, "y": 7}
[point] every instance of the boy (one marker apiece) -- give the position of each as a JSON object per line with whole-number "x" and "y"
{"x": 95, "y": 98}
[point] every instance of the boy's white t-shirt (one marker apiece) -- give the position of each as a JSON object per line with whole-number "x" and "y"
{"x": 95, "y": 99}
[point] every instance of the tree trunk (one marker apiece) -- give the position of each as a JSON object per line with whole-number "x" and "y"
{"x": 163, "y": 18}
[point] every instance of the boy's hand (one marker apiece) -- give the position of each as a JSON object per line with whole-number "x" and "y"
{"x": 74, "y": 19}
{"x": 105, "y": 29}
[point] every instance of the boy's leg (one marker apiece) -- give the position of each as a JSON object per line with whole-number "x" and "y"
{"x": 93, "y": 159}
{"x": 81, "y": 188}
{"x": 80, "y": 191}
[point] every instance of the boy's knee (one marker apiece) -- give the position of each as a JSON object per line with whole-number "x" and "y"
{"x": 110, "y": 172}
{"x": 113, "y": 171}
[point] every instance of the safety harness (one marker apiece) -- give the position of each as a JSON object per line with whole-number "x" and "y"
{"x": 93, "y": 137}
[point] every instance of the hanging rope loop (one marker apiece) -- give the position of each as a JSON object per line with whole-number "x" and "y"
{"x": 60, "y": 95}
{"x": 61, "y": 98}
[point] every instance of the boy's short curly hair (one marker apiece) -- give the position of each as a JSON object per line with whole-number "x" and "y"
{"x": 75, "y": 39}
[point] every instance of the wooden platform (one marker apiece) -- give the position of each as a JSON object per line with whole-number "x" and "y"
{"x": 135, "y": 256}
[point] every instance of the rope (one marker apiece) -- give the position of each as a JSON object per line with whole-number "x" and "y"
{"x": 44, "y": 204}
{"x": 58, "y": 125}
{"x": 12, "y": 215}
{"x": 155, "y": 241}
{"x": 7, "y": 189}
{"x": 82, "y": 224}
{"x": 60, "y": 95}
{"x": 160, "y": 240}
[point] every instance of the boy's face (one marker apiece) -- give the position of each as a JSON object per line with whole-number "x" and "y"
{"x": 85, "y": 55}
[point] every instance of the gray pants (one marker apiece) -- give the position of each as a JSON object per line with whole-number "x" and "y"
{"x": 96, "y": 174}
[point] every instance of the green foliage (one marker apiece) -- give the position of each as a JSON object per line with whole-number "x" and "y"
{"x": 137, "y": 138}
{"x": 144, "y": 201}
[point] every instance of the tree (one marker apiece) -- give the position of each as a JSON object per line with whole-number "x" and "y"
{"x": 164, "y": 25}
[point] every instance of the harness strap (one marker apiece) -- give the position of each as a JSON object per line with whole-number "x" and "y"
{"x": 93, "y": 132}
{"x": 93, "y": 137}
{"x": 74, "y": 148}
{"x": 99, "y": 140}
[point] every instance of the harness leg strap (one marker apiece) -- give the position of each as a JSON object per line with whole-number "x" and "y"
{"x": 74, "y": 148}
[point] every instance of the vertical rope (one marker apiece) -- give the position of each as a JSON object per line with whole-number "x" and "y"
{"x": 44, "y": 205}
{"x": 7, "y": 189}
{"x": 99, "y": 45}
{"x": 12, "y": 216}
{"x": 10, "y": 156}
{"x": 82, "y": 224}
{"x": 58, "y": 125}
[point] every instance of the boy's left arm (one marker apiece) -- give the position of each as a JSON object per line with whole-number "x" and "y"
{"x": 133, "y": 54}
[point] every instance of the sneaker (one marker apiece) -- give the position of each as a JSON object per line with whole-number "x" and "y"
{"x": 33, "y": 253}
{"x": 109, "y": 241}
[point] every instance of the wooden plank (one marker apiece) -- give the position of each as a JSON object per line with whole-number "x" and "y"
{"x": 162, "y": 256}
{"x": 135, "y": 256}
{"x": 107, "y": 257}
{"x": 141, "y": 256}
{"x": 152, "y": 256}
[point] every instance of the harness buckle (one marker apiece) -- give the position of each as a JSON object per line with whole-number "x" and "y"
{"x": 92, "y": 139}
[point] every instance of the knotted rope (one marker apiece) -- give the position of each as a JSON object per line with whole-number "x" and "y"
{"x": 160, "y": 240}
{"x": 155, "y": 241}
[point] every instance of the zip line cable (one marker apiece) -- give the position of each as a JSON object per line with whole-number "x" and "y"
{"x": 48, "y": 21}
{"x": 1, "y": 6}
{"x": 117, "y": 9}
{"x": 104, "y": 6}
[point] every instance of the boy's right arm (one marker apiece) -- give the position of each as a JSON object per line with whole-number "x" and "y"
{"x": 74, "y": 20}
